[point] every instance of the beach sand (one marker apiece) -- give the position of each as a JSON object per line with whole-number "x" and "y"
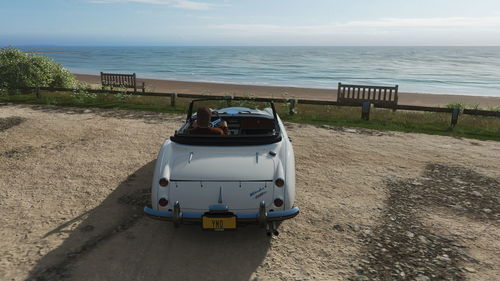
{"x": 170, "y": 86}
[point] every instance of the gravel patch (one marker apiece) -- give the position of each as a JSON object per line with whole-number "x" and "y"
{"x": 403, "y": 248}
{"x": 357, "y": 130}
{"x": 18, "y": 153}
{"x": 9, "y": 122}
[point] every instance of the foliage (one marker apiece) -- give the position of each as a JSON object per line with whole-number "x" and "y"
{"x": 51, "y": 100}
{"x": 82, "y": 95}
{"x": 462, "y": 106}
{"x": 3, "y": 92}
{"x": 19, "y": 69}
{"x": 122, "y": 96}
{"x": 495, "y": 108}
{"x": 435, "y": 123}
{"x": 249, "y": 102}
{"x": 288, "y": 106}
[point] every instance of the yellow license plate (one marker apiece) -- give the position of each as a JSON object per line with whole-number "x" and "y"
{"x": 219, "y": 223}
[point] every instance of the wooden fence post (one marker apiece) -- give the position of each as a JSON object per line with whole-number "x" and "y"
{"x": 396, "y": 98}
{"x": 37, "y": 93}
{"x": 173, "y": 99}
{"x": 454, "y": 116}
{"x": 365, "y": 110}
{"x": 293, "y": 104}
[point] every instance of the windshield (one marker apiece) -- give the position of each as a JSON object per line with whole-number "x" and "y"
{"x": 229, "y": 125}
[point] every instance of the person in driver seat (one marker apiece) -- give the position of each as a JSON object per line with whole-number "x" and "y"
{"x": 202, "y": 124}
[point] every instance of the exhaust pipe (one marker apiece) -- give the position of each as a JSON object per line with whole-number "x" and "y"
{"x": 268, "y": 230}
{"x": 275, "y": 230}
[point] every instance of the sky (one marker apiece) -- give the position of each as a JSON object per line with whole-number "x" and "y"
{"x": 250, "y": 22}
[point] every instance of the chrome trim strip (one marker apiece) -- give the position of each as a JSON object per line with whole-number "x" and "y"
{"x": 174, "y": 180}
{"x": 240, "y": 216}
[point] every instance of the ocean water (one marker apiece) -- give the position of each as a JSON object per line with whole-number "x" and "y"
{"x": 439, "y": 70}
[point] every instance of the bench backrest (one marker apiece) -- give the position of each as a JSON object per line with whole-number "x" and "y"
{"x": 357, "y": 94}
{"x": 118, "y": 80}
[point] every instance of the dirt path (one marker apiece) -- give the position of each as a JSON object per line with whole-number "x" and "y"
{"x": 73, "y": 183}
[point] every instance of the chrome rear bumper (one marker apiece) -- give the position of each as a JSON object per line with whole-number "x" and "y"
{"x": 260, "y": 217}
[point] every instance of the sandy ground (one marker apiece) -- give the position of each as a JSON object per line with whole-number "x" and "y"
{"x": 293, "y": 92}
{"x": 374, "y": 205}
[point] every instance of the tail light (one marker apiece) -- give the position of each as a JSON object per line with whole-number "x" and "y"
{"x": 163, "y": 202}
{"x": 278, "y": 202}
{"x": 279, "y": 182}
{"x": 163, "y": 182}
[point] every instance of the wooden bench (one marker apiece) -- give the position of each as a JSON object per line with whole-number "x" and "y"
{"x": 121, "y": 81}
{"x": 377, "y": 95}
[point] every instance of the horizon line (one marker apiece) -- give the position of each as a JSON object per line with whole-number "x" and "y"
{"x": 204, "y": 46}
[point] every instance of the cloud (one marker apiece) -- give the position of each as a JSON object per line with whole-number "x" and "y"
{"x": 181, "y": 4}
{"x": 428, "y": 22}
{"x": 384, "y": 31}
{"x": 386, "y": 24}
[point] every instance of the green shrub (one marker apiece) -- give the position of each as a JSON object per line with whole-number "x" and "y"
{"x": 82, "y": 95}
{"x": 122, "y": 95}
{"x": 462, "y": 106}
{"x": 495, "y": 108}
{"x": 19, "y": 69}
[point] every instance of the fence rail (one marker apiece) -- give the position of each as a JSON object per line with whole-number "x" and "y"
{"x": 481, "y": 112}
{"x": 292, "y": 102}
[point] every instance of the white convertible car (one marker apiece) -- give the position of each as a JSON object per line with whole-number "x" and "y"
{"x": 225, "y": 181}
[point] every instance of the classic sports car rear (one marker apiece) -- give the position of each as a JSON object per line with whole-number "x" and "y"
{"x": 224, "y": 181}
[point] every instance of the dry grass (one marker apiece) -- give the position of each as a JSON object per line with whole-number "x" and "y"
{"x": 485, "y": 128}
